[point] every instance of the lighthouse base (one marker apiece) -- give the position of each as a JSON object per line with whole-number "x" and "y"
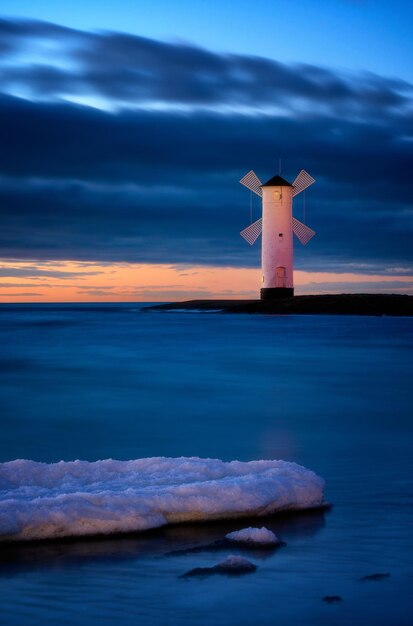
{"x": 274, "y": 293}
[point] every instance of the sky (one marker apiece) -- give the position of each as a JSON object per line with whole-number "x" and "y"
{"x": 126, "y": 127}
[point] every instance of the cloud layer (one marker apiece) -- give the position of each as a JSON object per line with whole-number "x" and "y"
{"x": 121, "y": 148}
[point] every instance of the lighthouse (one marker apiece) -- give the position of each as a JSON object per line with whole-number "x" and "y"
{"x": 277, "y": 226}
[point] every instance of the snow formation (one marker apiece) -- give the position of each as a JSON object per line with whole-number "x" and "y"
{"x": 43, "y": 501}
{"x": 258, "y": 536}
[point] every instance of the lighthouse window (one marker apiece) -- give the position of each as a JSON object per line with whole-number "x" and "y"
{"x": 280, "y": 235}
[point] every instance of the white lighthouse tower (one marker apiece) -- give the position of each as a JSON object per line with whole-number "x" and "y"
{"x": 277, "y": 225}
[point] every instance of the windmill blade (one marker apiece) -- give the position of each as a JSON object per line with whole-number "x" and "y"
{"x": 302, "y": 232}
{"x": 252, "y": 182}
{"x": 252, "y": 232}
{"x": 302, "y": 181}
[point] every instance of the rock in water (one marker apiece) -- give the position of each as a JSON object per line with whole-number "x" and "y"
{"x": 236, "y": 565}
{"x": 378, "y": 576}
{"x": 233, "y": 566}
{"x": 332, "y": 599}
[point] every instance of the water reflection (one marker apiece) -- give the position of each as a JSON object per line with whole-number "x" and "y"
{"x": 16, "y": 558}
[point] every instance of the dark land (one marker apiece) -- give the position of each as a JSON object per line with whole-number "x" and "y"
{"x": 341, "y": 304}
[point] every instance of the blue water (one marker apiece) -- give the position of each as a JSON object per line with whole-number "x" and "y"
{"x": 332, "y": 393}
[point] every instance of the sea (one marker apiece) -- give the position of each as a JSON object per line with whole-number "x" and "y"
{"x": 332, "y": 393}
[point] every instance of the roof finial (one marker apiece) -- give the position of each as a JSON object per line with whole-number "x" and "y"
{"x": 279, "y": 167}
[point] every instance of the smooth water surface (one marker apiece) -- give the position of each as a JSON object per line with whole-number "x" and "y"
{"x": 330, "y": 392}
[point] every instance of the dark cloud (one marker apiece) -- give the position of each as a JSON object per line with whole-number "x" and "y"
{"x": 152, "y": 148}
{"x": 134, "y": 70}
{"x": 96, "y": 292}
{"x": 21, "y": 285}
{"x": 160, "y": 184}
{"x": 17, "y": 35}
{"x": 16, "y": 272}
{"x": 21, "y": 294}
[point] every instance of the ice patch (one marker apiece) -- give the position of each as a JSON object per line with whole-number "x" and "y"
{"x": 44, "y": 501}
{"x": 257, "y": 536}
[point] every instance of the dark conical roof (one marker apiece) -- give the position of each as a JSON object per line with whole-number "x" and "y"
{"x": 277, "y": 181}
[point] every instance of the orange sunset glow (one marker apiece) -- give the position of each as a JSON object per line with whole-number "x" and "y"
{"x": 74, "y": 281}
